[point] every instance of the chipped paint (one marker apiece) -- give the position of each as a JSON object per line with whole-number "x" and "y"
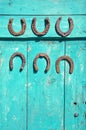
{"x": 29, "y": 49}
{"x": 40, "y": 100}
{"x": 1, "y": 62}
{"x": 82, "y": 67}
{"x": 16, "y": 48}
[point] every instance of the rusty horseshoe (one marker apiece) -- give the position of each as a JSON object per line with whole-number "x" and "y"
{"x": 22, "y": 58}
{"x": 10, "y": 28}
{"x": 41, "y": 55}
{"x": 71, "y": 26}
{"x": 69, "y": 60}
{"x": 47, "y": 26}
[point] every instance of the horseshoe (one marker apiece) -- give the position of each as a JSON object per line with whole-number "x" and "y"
{"x": 71, "y": 26}
{"x": 23, "y": 24}
{"x": 41, "y": 55}
{"x": 47, "y": 26}
{"x": 69, "y": 60}
{"x": 22, "y": 58}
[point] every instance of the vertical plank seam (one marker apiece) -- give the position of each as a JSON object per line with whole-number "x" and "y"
{"x": 64, "y": 81}
{"x": 27, "y": 90}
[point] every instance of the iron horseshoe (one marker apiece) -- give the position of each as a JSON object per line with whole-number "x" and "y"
{"x": 69, "y": 60}
{"x": 41, "y": 55}
{"x": 22, "y": 58}
{"x": 10, "y": 28}
{"x": 47, "y": 26}
{"x": 58, "y": 30}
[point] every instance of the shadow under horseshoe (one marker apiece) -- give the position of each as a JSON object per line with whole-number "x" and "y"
{"x": 22, "y": 58}
{"x": 47, "y": 26}
{"x": 69, "y": 60}
{"x": 41, "y": 55}
{"x": 58, "y": 30}
{"x": 10, "y": 28}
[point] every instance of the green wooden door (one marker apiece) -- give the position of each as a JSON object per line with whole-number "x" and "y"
{"x": 32, "y": 100}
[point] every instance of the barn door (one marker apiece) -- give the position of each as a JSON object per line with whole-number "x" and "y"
{"x": 39, "y": 100}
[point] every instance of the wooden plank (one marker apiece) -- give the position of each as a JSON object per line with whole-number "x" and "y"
{"x": 41, "y": 7}
{"x": 79, "y": 30}
{"x": 45, "y": 91}
{"x": 75, "y": 87}
{"x": 12, "y": 87}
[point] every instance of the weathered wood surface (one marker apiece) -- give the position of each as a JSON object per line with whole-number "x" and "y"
{"x": 13, "y": 87}
{"x": 42, "y": 7}
{"x": 75, "y": 87}
{"x": 43, "y": 101}
{"x": 45, "y": 91}
{"x": 78, "y": 31}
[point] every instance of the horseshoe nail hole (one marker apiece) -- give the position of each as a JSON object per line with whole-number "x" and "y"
{"x": 76, "y": 115}
{"x": 60, "y": 18}
{"x": 75, "y": 103}
{"x": 21, "y": 69}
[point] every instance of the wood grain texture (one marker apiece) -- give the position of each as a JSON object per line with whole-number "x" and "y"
{"x": 45, "y": 91}
{"x": 78, "y": 31}
{"x": 13, "y": 86}
{"x": 42, "y": 7}
{"x": 75, "y": 87}
{"x": 43, "y": 101}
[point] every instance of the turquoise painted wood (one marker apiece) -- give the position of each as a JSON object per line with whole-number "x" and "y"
{"x": 42, "y": 7}
{"x": 43, "y": 101}
{"x": 45, "y": 92}
{"x": 79, "y": 30}
{"x": 75, "y": 87}
{"x": 13, "y": 87}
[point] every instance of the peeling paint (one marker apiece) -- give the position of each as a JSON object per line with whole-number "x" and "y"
{"x": 29, "y": 49}
{"x": 50, "y": 80}
{"x": 1, "y": 62}
{"x": 82, "y": 67}
{"x": 16, "y": 48}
